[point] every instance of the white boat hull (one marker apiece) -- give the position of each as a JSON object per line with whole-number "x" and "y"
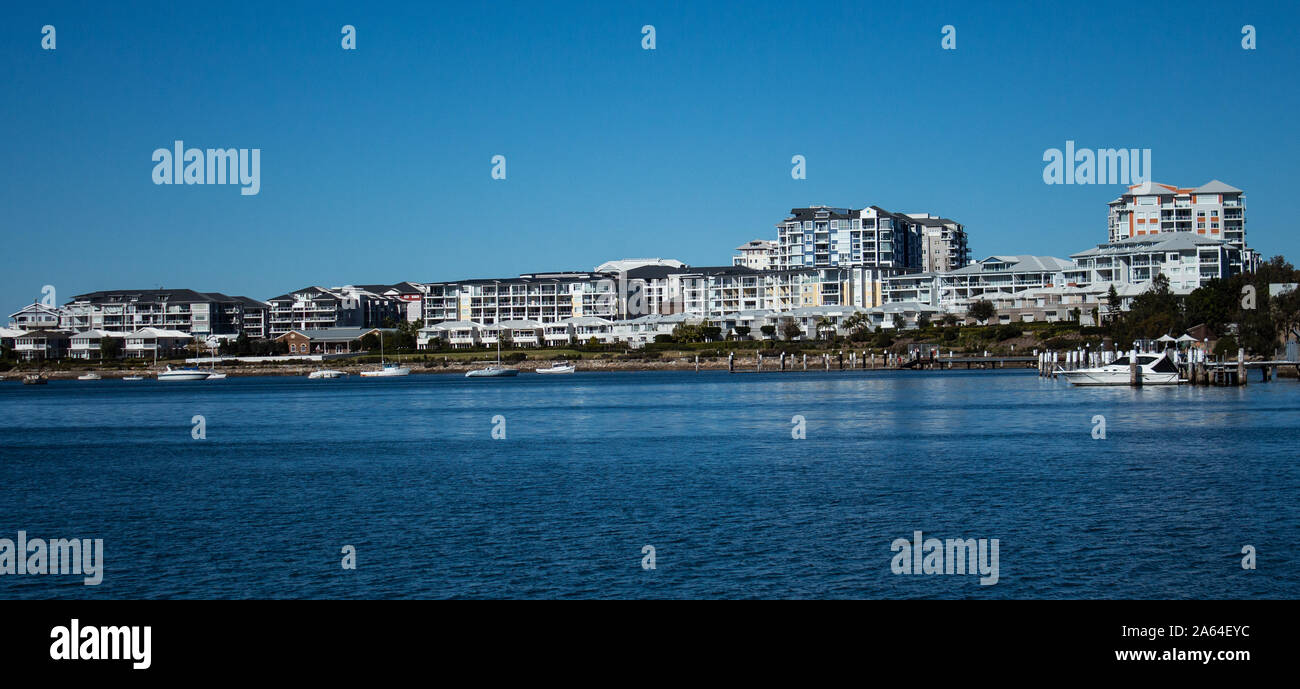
{"x": 492, "y": 372}
{"x": 1155, "y": 370}
{"x": 386, "y": 373}
{"x": 558, "y": 369}
{"x": 90, "y": 376}
{"x": 1118, "y": 378}
{"x": 182, "y": 375}
{"x": 317, "y": 375}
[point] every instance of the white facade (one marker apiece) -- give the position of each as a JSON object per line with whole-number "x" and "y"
{"x": 759, "y": 254}
{"x": 1213, "y": 210}
{"x": 1187, "y": 260}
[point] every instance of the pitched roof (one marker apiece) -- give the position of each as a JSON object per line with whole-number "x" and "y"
{"x": 1214, "y": 186}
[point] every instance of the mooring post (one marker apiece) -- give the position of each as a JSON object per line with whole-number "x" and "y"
{"x": 805, "y": 361}
{"x": 1241, "y": 366}
{"x": 759, "y": 365}
{"x": 1134, "y": 373}
{"x": 731, "y": 362}
{"x": 697, "y": 363}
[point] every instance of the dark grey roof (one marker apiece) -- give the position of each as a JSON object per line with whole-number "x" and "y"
{"x": 121, "y": 296}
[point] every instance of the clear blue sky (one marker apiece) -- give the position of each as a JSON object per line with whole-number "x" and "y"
{"x": 375, "y": 163}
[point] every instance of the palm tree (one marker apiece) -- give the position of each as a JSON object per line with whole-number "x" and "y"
{"x": 824, "y": 323}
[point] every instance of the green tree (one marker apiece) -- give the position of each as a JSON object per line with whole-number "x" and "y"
{"x": 110, "y": 348}
{"x": 790, "y": 329}
{"x": 1112, "y": 301}
{"x": 769, "y": 331}
{"x": 923, "y": 320}
{"x": 742, "y": 331}
{"x": 983, "y": 310}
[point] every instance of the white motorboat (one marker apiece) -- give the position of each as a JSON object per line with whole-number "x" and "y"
{"x": 90, "y": 376}
{"x": 132, "y": 377}
{"x": 182, "y": 374}
{"x": 326, "y": 373}
{"x": 213, "y": 375}
{"x": 493, "y": 370}
{"x": 1156, "y": 369}
{"x": 559, "y": 367}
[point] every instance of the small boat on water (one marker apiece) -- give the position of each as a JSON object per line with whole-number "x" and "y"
{"x": 559, "y": 367}
{"x": 189, "y": 373}
{"x": 326, "y": 373}
{"x": 90, "y": 376}
{"x": 387, "y": 370}
{"x": 493, "y": 370}
{"x": 1156, "y": 369}
{"x": 35, "y": 379}
{"x": 213, "y": 375}
{"x": 132, "y": 377}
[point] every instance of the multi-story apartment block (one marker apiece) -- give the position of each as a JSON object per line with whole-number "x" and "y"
{"x": 539, "y": 297}
{"x": 759, "y": 254}
{"x": 195, "y": 313}
{"x": 318, "y": 308}
{"x": 410, "y": 298}
{"x": 1187, "y": 260}
{"x": 1213, "y": 210}
{"x": 943, "y": 243}
{"x": 874, "y": 243}
{"x": 995, "y": 275}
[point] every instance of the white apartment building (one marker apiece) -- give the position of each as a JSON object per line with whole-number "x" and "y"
{"x": 759, "y": 254}
{"x": 184, "y": 310}
{"x": 318, "y": 308}
{"x": 1187, "y": 260}
{"x": 540, "y": 297}
{"x": 998, "y": 275}
{"x": 1213, "y": 210}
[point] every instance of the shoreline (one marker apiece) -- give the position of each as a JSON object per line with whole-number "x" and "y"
{"x": 742, "y": 365}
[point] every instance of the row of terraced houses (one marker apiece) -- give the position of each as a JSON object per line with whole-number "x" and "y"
{"x": 824, "y": 265}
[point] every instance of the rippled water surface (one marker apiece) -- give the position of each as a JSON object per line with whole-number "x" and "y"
{"x": 700, "y": 465}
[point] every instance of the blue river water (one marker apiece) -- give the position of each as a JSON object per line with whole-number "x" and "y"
{"x": 701, "y": 466}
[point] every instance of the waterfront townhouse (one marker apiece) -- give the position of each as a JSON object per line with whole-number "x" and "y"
{"x": 318, "y": 308}
{"x": 36, "y": 316}
{"x": 998, "y": 275}
{"x": 146, "y": 343}
{"x": 7, "y": 337}
{"x": 184, "y": 310}
{"x": 39, "y": 345}
{"x": 1213, "y": 210}
{"x": 89, "y": 344}
{"x": 1187, "y": 260}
